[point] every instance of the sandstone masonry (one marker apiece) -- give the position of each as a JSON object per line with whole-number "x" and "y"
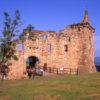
{"x": 72, "y": 47}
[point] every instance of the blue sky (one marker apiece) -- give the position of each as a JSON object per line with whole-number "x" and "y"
{"x": 54, "y": 14}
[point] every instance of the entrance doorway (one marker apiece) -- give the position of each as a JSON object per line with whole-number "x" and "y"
{"x": 32, "y": 61}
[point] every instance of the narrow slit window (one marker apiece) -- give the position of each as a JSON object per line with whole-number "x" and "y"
{"x": 66, "y": 48}
{"x": 69, "y": 39}
{"x": 49, "y": 47}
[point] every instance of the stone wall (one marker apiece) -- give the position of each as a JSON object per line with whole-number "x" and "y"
{"x": 72, "y": 47}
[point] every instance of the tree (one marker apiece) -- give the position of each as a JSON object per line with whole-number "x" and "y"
{"x": 7, "y": 44}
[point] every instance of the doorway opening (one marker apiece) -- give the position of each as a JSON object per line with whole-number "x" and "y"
{"x": 32, "y": 61}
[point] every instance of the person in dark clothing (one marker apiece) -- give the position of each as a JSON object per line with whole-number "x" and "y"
{"x": 4, "y": 71}
{"x": 45, "y": 67}
{"x": 30, "y": 71}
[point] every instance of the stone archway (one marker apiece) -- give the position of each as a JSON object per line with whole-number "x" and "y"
{"x": 32, "y": 61}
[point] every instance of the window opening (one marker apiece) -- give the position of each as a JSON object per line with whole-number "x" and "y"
{"x": 49, "y": 47}
{"x": 20, "y": 47}
{"x": 66, "y": 48}
{"x": 44, "y": 37}
{"x": 69, "y": 39}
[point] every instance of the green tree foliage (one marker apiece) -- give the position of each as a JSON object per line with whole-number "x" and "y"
{"x": 8, "y": 43}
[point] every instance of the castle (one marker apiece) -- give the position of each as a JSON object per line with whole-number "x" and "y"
{"x": 72, "y": 47}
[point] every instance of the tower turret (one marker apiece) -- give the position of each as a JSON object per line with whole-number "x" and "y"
{"x": 86, "y": 18}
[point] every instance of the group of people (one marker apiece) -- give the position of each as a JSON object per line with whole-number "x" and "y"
{"x": 31, "y": 71}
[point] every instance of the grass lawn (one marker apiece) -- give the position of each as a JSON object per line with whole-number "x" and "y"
{"x": 65, "y": 87}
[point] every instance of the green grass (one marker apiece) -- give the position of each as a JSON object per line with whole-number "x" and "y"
{"x": 66, "y": 87}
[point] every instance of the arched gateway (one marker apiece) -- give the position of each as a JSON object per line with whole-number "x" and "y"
{"x": 31, "y": 64}
{"x": 32, "y": 61}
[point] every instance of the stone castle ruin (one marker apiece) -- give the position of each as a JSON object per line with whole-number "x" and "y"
{"x": 70, "y": 48}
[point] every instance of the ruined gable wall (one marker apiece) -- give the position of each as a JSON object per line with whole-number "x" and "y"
{"x": 17, "y": 68}
{"x": 40, "y": 48}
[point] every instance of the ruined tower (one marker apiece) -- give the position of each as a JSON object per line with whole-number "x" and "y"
{"x": 70, "y": 48}
{"x": 87, "y": 64}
